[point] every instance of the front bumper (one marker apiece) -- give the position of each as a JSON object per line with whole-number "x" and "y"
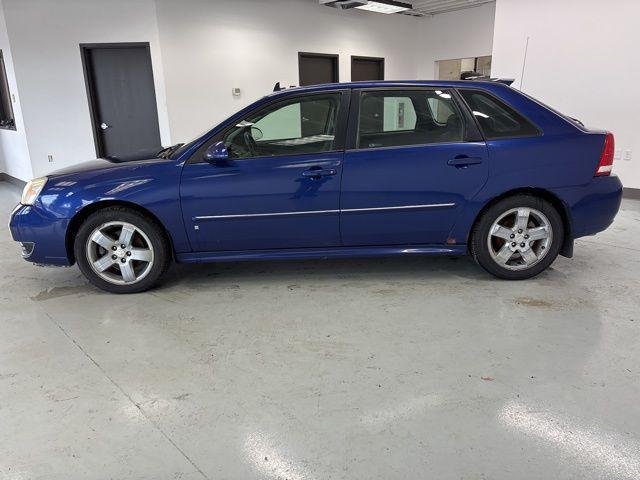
{"x": 41, "y": 235}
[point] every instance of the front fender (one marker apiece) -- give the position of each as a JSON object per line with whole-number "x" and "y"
{"x": 152, "y": 185}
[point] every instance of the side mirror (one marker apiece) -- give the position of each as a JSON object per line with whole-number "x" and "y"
{"x": 216, "y": 153}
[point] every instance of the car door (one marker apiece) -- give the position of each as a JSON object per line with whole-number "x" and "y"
{"x": 414, "y": 158}
{"x": 280, "y": 187}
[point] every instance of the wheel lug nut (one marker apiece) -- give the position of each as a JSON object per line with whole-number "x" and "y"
{"x": 128, "y": 254}
{"x": 114, "y": 248}
{"x": 122, "y": 245}
{"x": 123, "y": 260}
{"x": 519, "y": 230}
{"x": 511, "y": 236}
{"x": 114, "y": 256}
{"x": 513, "y": 244}
{"x": 526, "y": 236}
{"x": 522, "y": 244}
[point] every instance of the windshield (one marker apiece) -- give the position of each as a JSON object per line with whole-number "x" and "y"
{"x": 168, "y": 151}
{"x": 183, "y": 147}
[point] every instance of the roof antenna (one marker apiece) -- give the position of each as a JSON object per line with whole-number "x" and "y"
{"x": 277, "y": 87}
{"x": 524, "y": 62}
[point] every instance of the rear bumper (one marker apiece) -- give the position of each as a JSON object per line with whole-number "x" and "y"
{"x": 594, "y": 206}
{"x": 42, "y": 237}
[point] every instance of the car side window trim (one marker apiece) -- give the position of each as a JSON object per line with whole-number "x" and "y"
{"x": 415, "y": 145}
{"x": 471, "y": 132}
{"x": 340, "y": 129}
{"x": 468, "y": 108}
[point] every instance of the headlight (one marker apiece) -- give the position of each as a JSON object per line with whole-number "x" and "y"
{"x": 32, "y": 189}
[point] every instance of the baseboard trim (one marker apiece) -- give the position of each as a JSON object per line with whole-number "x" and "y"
{"x": 631, "y": 193}
{"x": 5, "y": 177}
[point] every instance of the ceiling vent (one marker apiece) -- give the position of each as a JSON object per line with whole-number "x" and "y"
{"x": 343, "y": 4}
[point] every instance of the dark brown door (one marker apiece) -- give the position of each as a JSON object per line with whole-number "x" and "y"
{"x": 122, "y": 98}
{"x": 367, "y": 68}
{"x": 317, "y": 68}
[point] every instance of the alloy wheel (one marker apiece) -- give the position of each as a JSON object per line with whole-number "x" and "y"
{"x": 520, "y": 238}
{"x": 120, "y": 253}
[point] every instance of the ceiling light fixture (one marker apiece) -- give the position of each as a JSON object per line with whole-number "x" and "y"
{"x": 385, "y": 6}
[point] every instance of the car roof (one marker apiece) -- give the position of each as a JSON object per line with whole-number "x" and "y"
{"x": 393, "y": 83}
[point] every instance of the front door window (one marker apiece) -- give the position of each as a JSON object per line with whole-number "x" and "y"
{"x": 293, "y": 127}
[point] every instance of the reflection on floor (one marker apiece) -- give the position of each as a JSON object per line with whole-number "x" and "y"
{"x": 367, "y": 369}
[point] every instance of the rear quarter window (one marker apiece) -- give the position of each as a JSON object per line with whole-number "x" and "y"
{"x": 496, "y": 118}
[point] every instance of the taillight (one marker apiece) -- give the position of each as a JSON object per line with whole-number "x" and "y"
{"x": 606, "y": 158}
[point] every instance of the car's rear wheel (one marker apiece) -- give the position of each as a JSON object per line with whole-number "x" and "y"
{"x": 517, "y": 237}
{"x": 121, "y": 250}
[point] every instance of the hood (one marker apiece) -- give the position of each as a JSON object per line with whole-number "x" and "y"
{"x": 130, "y": 160}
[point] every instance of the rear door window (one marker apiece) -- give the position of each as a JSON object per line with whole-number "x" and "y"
{"x": 397, "y": 118}
{"x": 496, "y": 118}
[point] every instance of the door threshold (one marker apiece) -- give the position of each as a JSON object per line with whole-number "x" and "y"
{"x": 320, "y": 253}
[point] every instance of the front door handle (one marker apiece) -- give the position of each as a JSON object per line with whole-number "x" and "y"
{"x": 462, "y": 161}
{"x": 316, "y": 173}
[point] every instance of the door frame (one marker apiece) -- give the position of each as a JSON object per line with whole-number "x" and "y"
{"x": 377, "y": 59}
{"x": 85, "y": 50}
{"x": 334, "y": 56}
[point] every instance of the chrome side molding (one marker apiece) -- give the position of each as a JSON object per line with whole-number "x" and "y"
{"x": 324, "y": 212}
{"x": 401, "y": 207}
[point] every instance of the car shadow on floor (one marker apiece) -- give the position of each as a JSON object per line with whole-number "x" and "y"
{"x": 412, "y": 269}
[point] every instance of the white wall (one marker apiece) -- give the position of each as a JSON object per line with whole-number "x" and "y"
{"x": 200, "y": 50}
{"x": 582, "y": 59}
{"x": 210, "y": 47}
{"x": 460, "y": 34}
{"x": 45, "y": 38}
{"x": 14, "y": 153}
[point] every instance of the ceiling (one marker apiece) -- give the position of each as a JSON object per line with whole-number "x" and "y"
{"x": 433, "y": 7}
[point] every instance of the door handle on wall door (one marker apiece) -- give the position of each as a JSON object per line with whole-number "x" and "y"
{"x": 462, "y": 161}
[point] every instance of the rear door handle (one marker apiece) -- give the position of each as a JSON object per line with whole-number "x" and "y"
{"x": 319, "y": 172}
{"x": 462, "y": 161}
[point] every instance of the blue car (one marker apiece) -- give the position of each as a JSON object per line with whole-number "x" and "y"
{"x": 332, "y": 171}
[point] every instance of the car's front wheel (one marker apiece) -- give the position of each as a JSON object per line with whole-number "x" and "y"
{"x": 121, "y": 250}
{"x": 517, "y": 237}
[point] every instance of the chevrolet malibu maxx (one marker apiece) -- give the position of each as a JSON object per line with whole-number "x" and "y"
{"x": 339, "y": 170}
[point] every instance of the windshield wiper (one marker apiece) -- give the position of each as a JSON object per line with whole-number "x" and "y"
{"x": 167, "y": 152}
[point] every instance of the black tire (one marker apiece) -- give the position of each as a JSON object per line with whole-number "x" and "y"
{"x": 479, "y": 236}
{"x": 154, "y": 233}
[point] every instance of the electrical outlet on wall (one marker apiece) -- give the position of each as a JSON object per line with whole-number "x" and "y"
{"x": 626, "y": 155}
{"x": 50, "y": 158}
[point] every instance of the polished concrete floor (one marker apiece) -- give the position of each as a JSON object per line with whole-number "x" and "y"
{"x": 359, "y": 369}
